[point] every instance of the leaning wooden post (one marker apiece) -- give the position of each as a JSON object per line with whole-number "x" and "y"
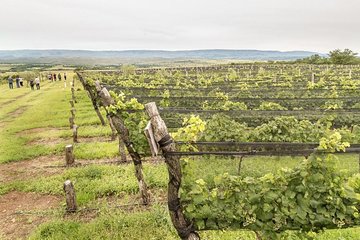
{"x": 92, "y": 98}
{"x": 113, "y": 130}
{"x": 69, "y": 155}
{"x": 69, "y": 190}
{"x": 122, "y": 150}
{"x": 125, "y": 137}
{"x": 183, "y": 226}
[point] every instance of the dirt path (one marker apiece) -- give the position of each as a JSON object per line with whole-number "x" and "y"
{"x": 13, "y": 224}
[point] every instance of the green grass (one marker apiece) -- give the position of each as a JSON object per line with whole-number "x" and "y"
{"x": 47, "y": 112}
{"x": 94, "y": 181}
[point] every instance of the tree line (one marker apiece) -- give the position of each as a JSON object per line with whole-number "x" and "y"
{"x": 337, "y": 56}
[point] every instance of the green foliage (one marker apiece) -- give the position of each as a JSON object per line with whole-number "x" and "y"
{"x": 346, "y": 56}
{"x": 128, "y": 69}
{"x": 270, "y": 106}
{"x": 223, "y": 103}
{"x": 192, "y": 129}
{"x": 133, "y": 115}
{"x": 314, "y": 59}
{"x": 289, "y": 129}
{"x": 310, "y": 197}
{"x": 222, "y": 128}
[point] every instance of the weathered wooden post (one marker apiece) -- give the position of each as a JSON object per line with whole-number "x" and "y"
{"x": 313, "y": 77}
{"x": 113, "y": 130}
{"x": 75, "y": 133}
{"x": 73, "y": 111}
{"x": 92, "y": 97}
{"x": 71, "y": 121}
{"x": 122, "y": 150}
{"x": 124, "y": 135}
{"x": 73, "y": 94}
{"x": 183, "y": 226}
{"x": 69, "y": 155}
{"x": 70, "y": 195}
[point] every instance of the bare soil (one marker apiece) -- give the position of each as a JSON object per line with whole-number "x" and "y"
{"x": 29, "y": 169}
{"x": 15, "y": 99}
{"x": 39, "y": 130}
{"x": 15, "y": 220}
{"x": 17, "y": 112}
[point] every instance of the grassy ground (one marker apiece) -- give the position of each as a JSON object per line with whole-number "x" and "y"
{"x": 33, "y": 132}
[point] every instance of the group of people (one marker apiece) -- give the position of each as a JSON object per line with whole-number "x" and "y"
{"x": 53, "y": 76}
{"x": 34, "y": 82}
{"x": 20, "y": 82}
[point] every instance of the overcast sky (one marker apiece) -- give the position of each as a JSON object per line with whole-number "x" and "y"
{"x": 315, "y": 25}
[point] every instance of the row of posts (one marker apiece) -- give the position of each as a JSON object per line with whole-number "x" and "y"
{"x": 71, "y": 205}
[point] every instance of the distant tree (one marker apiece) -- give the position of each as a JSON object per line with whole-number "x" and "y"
{"x": 128, "y": 69}
{"x": 314, "y": 59}
{"x": 343, "y": 57}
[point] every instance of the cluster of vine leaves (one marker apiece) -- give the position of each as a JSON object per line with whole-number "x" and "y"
{"x": 308, "y": 198}
{"x": 133, "y": 114}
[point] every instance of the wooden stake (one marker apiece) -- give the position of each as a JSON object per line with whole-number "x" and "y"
{"x": 71, "y": 121}
{"x": 75, "y": 133}
{"x": 73, "y": 111}
{"x": 124, "y": 135}
{"x": 69, "y": 155}
{"x": 70, "y": 195}
{"x": 313, "y": 77}
{"x": 183, "y": 226}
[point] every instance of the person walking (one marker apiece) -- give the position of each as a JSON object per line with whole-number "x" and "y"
{"x": 37, "y": 82}
{"x": 11, "y": 82}
{"x": 59, "y": 77}
{"x": 65, "y": 76}
{"x": 32, "y": 84}
{"x": 17, "y": 82}
{"x": 54, "y": 77}
{"x": 21, "y": 82}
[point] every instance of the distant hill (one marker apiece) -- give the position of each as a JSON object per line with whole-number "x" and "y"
{"x": 46, "y": 56}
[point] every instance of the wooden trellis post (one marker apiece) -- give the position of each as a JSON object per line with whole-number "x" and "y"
{"x": 69, "y": 155}
{"x": 71, "y": 121}
{"x": 75, "y": 133}
{"x": 73, "y": 111}
{"x": 69, "y": 190}
{"x": 73, "y": 94}
{"x": 113, "y": 130}
{"x": 92, "y": 98}
{"x": 124, "y": 135}
{"x": 122, "y": 150}
{"x": 183, "y": 226}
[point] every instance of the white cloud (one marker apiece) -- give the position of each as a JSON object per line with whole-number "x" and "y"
{"x": 317, "y": 25}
